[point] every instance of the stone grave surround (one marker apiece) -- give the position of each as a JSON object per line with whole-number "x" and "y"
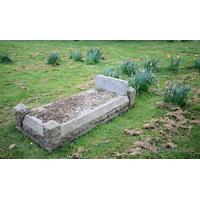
{"x": 51, "y": 134}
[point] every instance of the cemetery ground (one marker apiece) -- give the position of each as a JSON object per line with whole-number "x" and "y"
{"x": 31, "y": 81}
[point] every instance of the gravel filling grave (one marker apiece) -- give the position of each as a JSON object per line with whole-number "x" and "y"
{"x": 68, "y": 108}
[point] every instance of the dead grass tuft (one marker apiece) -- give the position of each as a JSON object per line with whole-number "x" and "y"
{"x": 78, "y": 154}
{"x": 118, "y": 155}
{"x": 133, "y": 132}
{"x": 21, "y": 85}
{"x": 156, "y": 92}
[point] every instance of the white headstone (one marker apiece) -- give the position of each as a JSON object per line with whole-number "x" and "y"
{"x": 111, "y": 84}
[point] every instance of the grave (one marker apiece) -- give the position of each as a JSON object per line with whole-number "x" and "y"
{"x": 62, "y": 121}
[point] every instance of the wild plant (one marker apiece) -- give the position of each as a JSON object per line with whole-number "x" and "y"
{"x": 177, "y": 94}
{"x": 93, "y": 56}
{"x": 53, "y": 58}
{"x": 142, "y": 80}
{"x": 75, "y": 55}
{"x": 111, "y": 72}
{"x": 151, "y": 63}
{"x": 5, "y": 58}
{"x": 197, "y": 63}
{"x": 128, "y": 66}
{"x": 174, "y": 63}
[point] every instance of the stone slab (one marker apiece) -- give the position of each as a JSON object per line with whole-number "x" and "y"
{"x": 73, "y": 127}
{"x": 111, "y": 84}
{"x": 79, "y": 132}
{"x": 33, "y": 125}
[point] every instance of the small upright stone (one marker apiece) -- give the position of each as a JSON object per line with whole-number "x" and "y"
{"x": 20, "y": 111}
{"x": 52, "y": 135}
{"x": 131, "y": 95}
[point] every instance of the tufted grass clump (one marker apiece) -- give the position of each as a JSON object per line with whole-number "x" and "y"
{"x": 93, "y": 56}
{"x": 53, "y": 58}
{"x": 177, "y": 94}
{"x": 5, "y": 58}
{"x": 129, "y": 66}
{"x": 75, "y": 55}
{"x": 174, "y": 63}
{"x": 197, "y": 63}
{"x": 151, "y": 63}
{"x": 111, "y": 72}
{"x": 143, "y": 80}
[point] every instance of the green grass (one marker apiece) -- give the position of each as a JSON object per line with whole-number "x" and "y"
{"x": 29, "y": 77}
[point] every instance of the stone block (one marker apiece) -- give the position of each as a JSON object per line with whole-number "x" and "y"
{"x": 131, "y": 95}
{"x": 52, "y": 135}
{"x": 20, "y": 111}
{"x": 111, "y": 84}
{"x": 33, "y": 125}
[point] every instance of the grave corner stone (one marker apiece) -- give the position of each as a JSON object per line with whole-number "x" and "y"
{"x": 52, "y": 135}
{"x": 20, "y": 111}
{"x": 111, "y": 84}
{"x": 131, "y": 95}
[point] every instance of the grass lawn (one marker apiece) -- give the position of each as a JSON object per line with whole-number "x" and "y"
{"x": 29, "y": 80}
